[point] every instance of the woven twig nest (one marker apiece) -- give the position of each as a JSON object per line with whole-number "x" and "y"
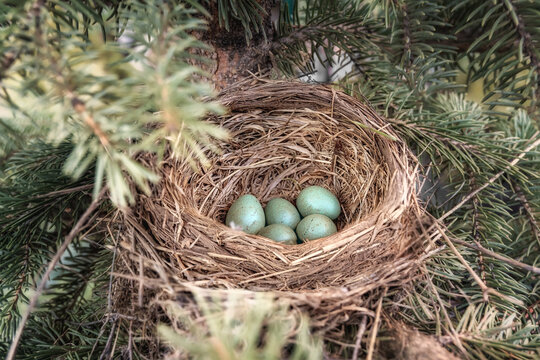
{"x": 285, "y": 136}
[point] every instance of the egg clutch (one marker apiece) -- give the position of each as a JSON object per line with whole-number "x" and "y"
{"x": 311, "y": 219}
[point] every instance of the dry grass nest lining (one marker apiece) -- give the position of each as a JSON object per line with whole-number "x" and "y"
{"x": 285, "y": 136}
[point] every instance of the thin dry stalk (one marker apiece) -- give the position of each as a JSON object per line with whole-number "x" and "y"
{"x": 81, "y": 223}
{"x": 359, "y": 336}
{"x": 374, "y": 331}
{"x": 528, "y": 211}
{"x": 452, "y": 331}
{"x": 509, "y": 261}
{"x": 485, "y": 289}
{"x": 493, "y": 178}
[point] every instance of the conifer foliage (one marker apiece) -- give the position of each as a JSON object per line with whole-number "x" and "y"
{"x": 87, "y": 85}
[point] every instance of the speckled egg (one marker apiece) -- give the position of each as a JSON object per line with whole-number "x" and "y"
{"x": 247, "y": 214}
{"x": 279, "y": 232}
{"x": 318, "y": 200}
{"x": 280, "y": 211}
{"x": 315, "y": 226}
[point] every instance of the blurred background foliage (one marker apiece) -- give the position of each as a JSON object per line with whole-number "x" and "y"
{"x": 242, "y": 327}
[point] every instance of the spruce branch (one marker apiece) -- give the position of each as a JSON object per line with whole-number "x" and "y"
{"x": 232, "y": 324}
{"x": 492, "y": 179}
{"x": 249, "y": 13}
{"x": 303, "y": 33}
{"x": 109, "y": 316}
{"x": 298, "y": 34}
{"x": 109, "y": 346}
{"x": 452, "y": 331}
{"x": 444, "y": 138}
{"x": 476, "y": 234}
{"x": 7, "y": 61}
{"x": 515, "y": 263}
{"x": 407, "y": 56}
{"x": 81, "y": 223}
{"x": 80, "y": 108}
{"x": 528, "y": 211}
{"x": 20, "y": 285}
{"x": 502, "y": 52}
{"x": 5, "y": 158}
{"x": 65, "y": 191}
{"x": 528, "y": 47}
{"x": 106, "y": 96}
{"x": 337, "y": 28}
{"x": 485, "y": 289}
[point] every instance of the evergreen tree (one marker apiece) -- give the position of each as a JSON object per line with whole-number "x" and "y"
{"x": 87, "y": 85}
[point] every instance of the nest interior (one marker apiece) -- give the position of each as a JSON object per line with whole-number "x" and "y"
{"x": 284, "y": 136}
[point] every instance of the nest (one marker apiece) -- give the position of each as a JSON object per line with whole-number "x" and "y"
{"x": 285, "y": 136}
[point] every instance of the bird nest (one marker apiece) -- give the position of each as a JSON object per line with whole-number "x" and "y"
{"x": 284, "y": 136}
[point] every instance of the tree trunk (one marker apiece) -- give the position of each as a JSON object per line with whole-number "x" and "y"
{"x": 234, "y": 56}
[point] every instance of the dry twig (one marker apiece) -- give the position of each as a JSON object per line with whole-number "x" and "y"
{"x": 485, "y": 289}
{"x": 81, "y": 223}
{"x": 359, "y": 336}
{"x": 494, "y": 255}
{"x": 375, "y": 329}
{"x": 493, "y": 178}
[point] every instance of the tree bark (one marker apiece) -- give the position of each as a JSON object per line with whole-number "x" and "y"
{"x": 234, "y": 56}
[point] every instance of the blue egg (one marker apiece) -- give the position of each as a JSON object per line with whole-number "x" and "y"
{"x": 247, "y": 214}
{"x": 318, "y": 200}
{"x": 314, "y": 227}
{"x": 280, "y": 211}
{"x": 279, "y": 232}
